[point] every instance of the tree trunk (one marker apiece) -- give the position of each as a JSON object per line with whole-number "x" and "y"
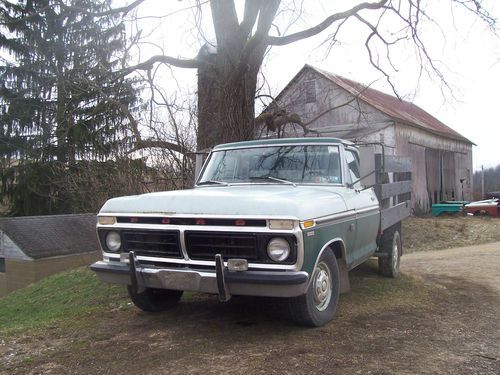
{"x": 226, "y": 108}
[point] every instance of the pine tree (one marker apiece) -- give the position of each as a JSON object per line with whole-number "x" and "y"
{"x": 59, "y": 100}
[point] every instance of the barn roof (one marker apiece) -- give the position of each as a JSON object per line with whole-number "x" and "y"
{"x": 400, "y": 110}
{"x": 55, "y": 235}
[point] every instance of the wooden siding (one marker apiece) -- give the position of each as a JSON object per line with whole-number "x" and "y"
{"x": 3, "y": 284}
{"x": 9, "y": 250}
{"x": 351, "y": 114}
{"x": 438, "y": 165}
{"x": 48, "y": 266}
{"x": 20, "y": 273}
{"x": 419, "y": 196}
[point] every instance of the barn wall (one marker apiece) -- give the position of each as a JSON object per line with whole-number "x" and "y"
{"x": 463, "y": 168}
{"x": 351, "y": 114}
{"x": 49, "y": 266}
{"x": 20, "y": 273}
{"x": 9, "y": 250}
{"x": 437, "y": 164}
{"x": 419, "y": 196}
{"x": 3, "y": 284}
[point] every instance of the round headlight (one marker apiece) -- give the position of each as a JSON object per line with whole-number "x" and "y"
{"x": 278, "y": 249}
{"x": 113, "y": 241}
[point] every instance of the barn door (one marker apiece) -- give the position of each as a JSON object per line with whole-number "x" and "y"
{"x": 433, "y": 174}
{"x": 448, "y": 175}
{"x": 440, "y": 173}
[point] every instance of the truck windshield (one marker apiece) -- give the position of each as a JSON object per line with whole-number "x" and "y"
{"x": 310, "y": 164}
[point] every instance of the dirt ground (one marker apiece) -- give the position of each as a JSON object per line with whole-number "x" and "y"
{"x": 440, "y": 317}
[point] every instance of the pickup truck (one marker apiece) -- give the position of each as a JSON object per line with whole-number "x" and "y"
{"x": 281, "y": 218}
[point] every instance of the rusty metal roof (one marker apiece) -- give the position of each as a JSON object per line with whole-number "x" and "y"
{"x": 400, "y": 110}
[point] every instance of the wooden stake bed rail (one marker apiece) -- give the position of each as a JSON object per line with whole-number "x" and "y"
{"x": 394, "y": 197}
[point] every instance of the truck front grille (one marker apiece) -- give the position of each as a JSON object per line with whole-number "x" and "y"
{"x": 205, "y": 245}
{"x": 153, "y": 243}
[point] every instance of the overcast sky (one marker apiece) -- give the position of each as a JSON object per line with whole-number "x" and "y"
{"x": 462, "y": 47}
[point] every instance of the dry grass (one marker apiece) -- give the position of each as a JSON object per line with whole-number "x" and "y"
{"x": 421, "y": 234}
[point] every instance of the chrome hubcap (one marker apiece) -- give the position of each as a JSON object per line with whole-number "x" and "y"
{"x": 395, "y": 255}
{"x": 322, "y": 286}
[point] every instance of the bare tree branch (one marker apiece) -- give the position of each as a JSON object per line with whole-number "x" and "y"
{"x": 287, "y": 39}
{"x": 266, "y": 16}
{"x": 162, "y": 59}
{"x": 225, "y": 20}
{"x": 157, "y": 143}
{"x": 123, "y": 10}
{"x": 250, "y": 15}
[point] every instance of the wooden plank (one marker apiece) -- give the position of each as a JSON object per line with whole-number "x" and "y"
{"x": 395, "y": 214}
{"x": 384, "y": 191}
{"x": 393, "y": 163}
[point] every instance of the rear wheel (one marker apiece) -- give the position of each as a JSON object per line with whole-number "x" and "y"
{"x": 392, "y": 246}
{"x": 317, "y": 307}
{"x": 154, "y": 300}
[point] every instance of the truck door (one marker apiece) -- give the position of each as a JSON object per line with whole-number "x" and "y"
{"x": 365, "y": 204}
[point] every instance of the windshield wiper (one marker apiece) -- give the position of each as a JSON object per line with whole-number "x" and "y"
{"x": 267, "y": 177}
{"x": 212, "y": 182}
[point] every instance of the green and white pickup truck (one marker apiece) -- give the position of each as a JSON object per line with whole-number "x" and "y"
{"x": 280, "y": 218}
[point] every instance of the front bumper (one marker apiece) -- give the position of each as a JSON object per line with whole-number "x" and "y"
{"x": 251, "y": 283}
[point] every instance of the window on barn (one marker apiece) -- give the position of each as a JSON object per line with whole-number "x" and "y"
{"x": 2, "y": 265}
{"x": 310, "y": 87}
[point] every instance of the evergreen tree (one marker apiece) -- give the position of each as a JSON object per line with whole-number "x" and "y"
{"x": 59, "y": 100}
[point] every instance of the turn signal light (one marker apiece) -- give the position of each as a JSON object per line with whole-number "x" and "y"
{"x": 106, "y": 220}
{"x": 280, "y": 224}
{"x": 308, "y": 224}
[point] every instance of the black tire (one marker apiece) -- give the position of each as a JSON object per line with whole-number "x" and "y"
{"x": 391, "y": 244}
{"x": 155, "y": 300}
{"x": 308, "y": 309}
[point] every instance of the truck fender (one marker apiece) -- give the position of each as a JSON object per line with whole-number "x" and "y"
{"x": 337, "y": 246}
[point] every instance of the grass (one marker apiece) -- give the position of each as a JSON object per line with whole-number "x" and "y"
{"x": 63, "y": 298}
{"x": 74, "y": 297}
{"x": 372, "y": 293}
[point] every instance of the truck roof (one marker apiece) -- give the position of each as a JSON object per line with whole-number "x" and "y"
{"x": 281, "y": 141}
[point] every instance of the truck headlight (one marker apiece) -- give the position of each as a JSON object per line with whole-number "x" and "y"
{"x": 113, "y": 241}
{"x": 278, "y": 249}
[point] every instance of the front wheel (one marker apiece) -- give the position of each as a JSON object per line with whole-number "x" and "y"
{"x": 390, "y": 245}
{"x": 154, "y": 300}
{"x": 317, "y": 307}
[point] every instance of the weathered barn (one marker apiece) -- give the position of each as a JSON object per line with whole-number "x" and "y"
{"x": 330, "y": 105}
{"x": 33, "y": 247}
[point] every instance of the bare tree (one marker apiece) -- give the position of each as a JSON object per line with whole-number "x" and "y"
{"x": 228, "y": 69}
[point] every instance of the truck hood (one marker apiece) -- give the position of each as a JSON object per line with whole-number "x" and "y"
{"x": 302, "y": 202}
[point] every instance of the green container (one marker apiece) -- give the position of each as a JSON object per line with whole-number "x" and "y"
{"x": 449, "y": 208}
